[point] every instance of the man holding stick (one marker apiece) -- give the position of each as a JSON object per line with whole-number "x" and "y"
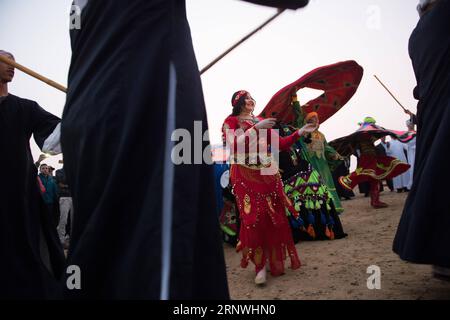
{"x": 30, "y": 254}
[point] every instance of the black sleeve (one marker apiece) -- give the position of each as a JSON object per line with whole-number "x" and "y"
{"x": 284, "y": 4}
{"x": 57, "y": 176}
{"x": 42, "y": 123}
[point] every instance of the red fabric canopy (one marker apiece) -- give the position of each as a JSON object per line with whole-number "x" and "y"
{"x": 339, "y": 82}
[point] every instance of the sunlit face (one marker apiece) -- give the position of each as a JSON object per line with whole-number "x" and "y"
{"x": 314, "y": 121}
{"x": 249, "y": 104}
{"x": 6, "y": 71}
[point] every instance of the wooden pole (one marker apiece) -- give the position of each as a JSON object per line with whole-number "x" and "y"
{"x": 279, "y": 12}
{"x": 30, "y": 72}
{"x": 404, "y": 109}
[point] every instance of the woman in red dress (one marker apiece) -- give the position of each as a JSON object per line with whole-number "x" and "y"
{"x": 265, "y": 234}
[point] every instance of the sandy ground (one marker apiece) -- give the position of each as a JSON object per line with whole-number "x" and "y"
{"x": 338, "y": 269}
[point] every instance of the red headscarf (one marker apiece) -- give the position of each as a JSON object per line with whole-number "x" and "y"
{"x": 238, "y": 96}
{"x": 311, "y": 115}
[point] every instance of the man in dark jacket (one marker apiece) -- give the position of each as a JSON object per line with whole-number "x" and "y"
{"x": 50, "y": 195}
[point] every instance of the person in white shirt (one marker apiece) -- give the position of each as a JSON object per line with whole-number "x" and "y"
{"x": 399, "y": 150}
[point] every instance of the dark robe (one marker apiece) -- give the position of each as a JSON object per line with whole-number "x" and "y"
{"x": 31, "y": 258}
{"x": 423, "y": 233}
{"x": 342, "y": 170}
{"x": 363, "y": 187}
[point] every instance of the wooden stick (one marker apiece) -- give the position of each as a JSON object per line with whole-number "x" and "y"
{"x": 279, "y": 12}
{"x": 36, "y": 75}
{"x": 404, "y": 109}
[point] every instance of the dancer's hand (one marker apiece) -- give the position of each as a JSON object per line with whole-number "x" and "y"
{"x": 307, "y": 128}
{"x": 337, "y": 156}
{"x": 266, "y": 123}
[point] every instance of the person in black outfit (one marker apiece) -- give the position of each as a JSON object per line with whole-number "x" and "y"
{"x": 31, "y": 258}
{"x": 422, "y": 235}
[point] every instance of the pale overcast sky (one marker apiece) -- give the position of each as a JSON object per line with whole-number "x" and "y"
{"x": 374, "y": 33}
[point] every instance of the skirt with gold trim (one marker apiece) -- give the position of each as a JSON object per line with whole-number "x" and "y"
{"x": 265, "y": 234}
{"x": 374, "y": 168}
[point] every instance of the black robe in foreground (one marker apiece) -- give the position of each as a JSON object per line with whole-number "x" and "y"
{"x": 423, "y": 235}
{"x": 31, "y": 257}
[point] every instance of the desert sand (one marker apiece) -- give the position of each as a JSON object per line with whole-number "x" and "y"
{"x": 338, "y": 269}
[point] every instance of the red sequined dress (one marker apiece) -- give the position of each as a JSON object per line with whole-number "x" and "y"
{"x": 265, "y": 234}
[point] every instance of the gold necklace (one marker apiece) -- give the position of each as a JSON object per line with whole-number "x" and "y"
{"x": 250, "y": 118}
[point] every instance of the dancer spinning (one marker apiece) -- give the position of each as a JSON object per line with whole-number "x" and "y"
{"x": 265, "y": 234}
{"x": 372, "y": 167}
